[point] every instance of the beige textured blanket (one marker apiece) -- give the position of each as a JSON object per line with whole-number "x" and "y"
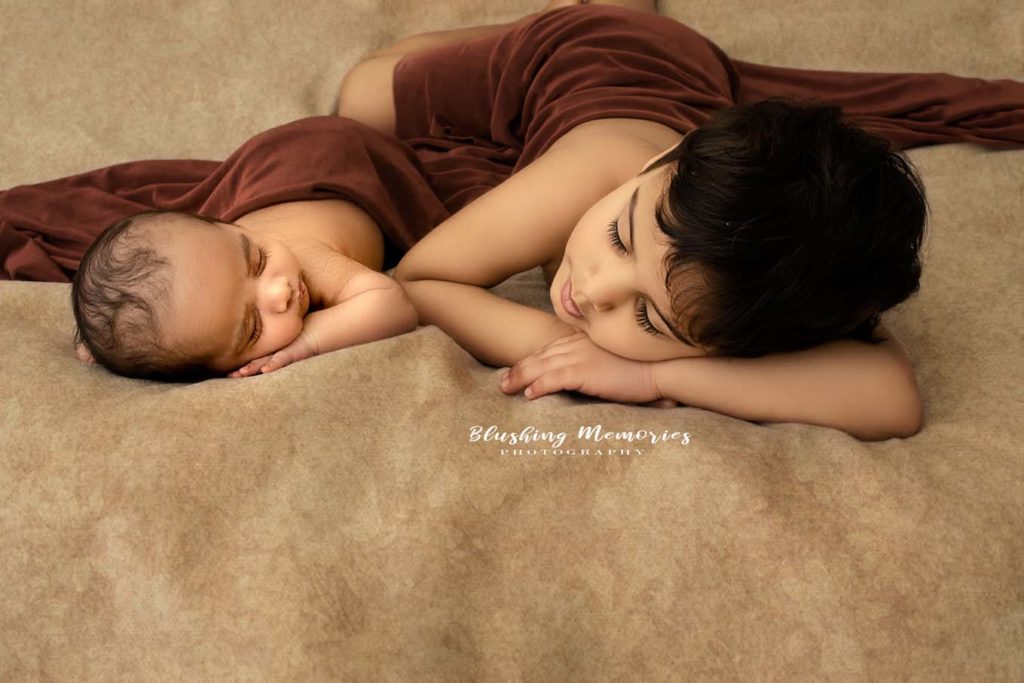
{"x": 336, "y": 520}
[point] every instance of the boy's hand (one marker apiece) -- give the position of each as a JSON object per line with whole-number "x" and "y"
{"x": 303, "y": 347}
{"x": 578, "y": 364}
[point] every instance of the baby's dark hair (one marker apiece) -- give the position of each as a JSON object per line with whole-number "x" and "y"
{"x": 121, "y": 288}
{"x": 801, "y": 227}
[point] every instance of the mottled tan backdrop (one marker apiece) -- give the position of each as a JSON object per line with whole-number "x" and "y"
{"x": 334, "y": 521}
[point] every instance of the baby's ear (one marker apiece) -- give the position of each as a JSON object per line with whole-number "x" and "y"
{"x": 83, "y": 353}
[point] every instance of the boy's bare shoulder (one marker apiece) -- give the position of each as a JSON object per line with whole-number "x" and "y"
{"x": 645, "y": 137}
{"x": 618, "y": 149}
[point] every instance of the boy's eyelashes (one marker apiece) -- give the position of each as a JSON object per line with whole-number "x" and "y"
{"x": 643, "y": 320}
{"x": 613, "y": 234}
{"x": 640, "y": 311}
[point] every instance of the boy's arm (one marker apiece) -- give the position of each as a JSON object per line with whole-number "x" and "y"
{"x": 520, "y": 224}
{"x": 526, "y": 220}
{"x": 496, "y": 331}
{"x": 867, "y": 391}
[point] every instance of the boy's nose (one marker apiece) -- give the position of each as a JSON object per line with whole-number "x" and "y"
{"x": 604, "y": 290}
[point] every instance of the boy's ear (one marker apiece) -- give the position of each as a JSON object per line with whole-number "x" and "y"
{"x": 656, "y": 157}
{"x": 83, "y": 353}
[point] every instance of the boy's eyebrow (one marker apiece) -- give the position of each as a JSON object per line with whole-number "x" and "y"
{"x": 240, "y": 333}
{"x": 678, "y": 334}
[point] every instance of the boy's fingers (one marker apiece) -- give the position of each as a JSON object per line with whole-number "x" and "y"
{"x": 561, "y": 341}
{"x": 540, "y": 388}
{"x": 511, "y": 382}
{"x": 526, "y": 373}
{"x": 661, "y": 403}
{"x": 532, "y": 391}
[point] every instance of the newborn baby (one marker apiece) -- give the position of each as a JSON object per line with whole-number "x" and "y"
{"x": 180, "y": 297}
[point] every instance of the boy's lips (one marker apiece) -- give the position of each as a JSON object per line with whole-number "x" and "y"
{"x": 567, "y": 303}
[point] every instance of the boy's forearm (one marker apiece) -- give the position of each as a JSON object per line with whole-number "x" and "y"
{"x": 863, "y": 390}
{"x": 372, "y": 315}
{"x": 494, "y": 330}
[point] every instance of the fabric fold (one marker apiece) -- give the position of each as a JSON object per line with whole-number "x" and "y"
{"x": 45, "y": 228}
{"x": 514, "y": 93}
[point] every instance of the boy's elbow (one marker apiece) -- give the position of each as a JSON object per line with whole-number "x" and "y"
{"x": 913, "y": 418}
{"x": 405, "y": 315}
{"x": 908, "y": 408}
{"x": 402, "y": 273}
{"x": 411, "y": 319}
{"x": 896, "y": 410}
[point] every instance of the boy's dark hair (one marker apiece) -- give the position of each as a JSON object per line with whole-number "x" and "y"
{"x": 802, "y": 227}
{"x": 121, "y": 285}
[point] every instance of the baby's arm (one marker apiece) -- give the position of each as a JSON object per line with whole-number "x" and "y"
{"x": 372, "y": 306}
{"x": 362, "y": 306}
{"x": 868, "y": 391}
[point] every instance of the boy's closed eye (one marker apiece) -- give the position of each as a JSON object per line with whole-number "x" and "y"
{"x": 646, "y": 312}
{"x": 642, "y": 317}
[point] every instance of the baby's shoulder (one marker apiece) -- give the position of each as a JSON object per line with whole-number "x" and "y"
{"x": 322, "y": 226}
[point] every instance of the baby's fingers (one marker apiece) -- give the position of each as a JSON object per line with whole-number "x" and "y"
{"x": 250, "y": 368}
{"x": 276, "y": 362}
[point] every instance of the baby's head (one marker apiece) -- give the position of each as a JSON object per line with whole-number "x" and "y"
{"x": 178, "y": 297}
{"x": 775, "y": 226}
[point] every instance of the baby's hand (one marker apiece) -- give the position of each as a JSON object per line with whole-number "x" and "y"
{"x": 303, "y": 347}
{"x": 576, "y": 363}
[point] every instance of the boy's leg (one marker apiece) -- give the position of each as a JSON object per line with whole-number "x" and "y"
{"x": 366, "y": 92}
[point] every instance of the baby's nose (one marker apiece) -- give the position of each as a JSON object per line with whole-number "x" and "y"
{"x": 282, "y": 295}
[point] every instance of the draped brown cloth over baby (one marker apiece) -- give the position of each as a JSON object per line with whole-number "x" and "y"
{"x": 46, "y": 228}
{"x": 470, "y": 114}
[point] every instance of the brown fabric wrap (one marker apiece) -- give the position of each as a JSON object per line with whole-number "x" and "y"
{"x": 472, "y": 113}
{"x": 46, "y": 228}
{"x": 479, "y": 110}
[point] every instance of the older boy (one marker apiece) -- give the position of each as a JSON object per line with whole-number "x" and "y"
{"x": 558, "y": 113}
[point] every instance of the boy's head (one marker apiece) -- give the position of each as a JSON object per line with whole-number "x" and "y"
{"x": 775, "y": 226}
{"x": 177, "y": 297}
